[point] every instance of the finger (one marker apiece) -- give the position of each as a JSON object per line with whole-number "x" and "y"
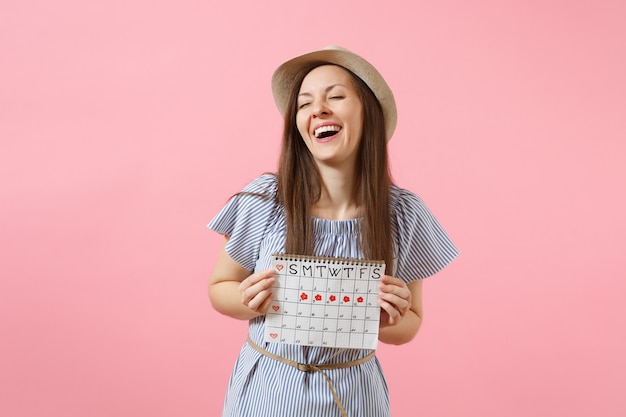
{"x": 388, "y": 279}
{"x": 260, "y": 300}
{"x": 259, "y": 276}
{"x": 399, "y": 298}
{"x": 247, "y": 294}
{"x": 393, "y": 309}
{"x": 396, "y": 286}
{"x": 388, "y": 283}
{"x": 392, "y": 313}
{"x": 399, "y": 303}
{"x": 263, "y": 308}
{"x": 400, "y": 291}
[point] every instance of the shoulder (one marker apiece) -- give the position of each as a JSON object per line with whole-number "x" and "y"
{"x": 258, "y": 195}
{"x": 403, "y": 200}
{"x": 248, "y": 210}
{"x": 265, "y": 184}
{"x": 410, "y": 214}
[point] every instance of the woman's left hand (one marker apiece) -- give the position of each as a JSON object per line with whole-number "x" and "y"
{"x": 394, "y": 299}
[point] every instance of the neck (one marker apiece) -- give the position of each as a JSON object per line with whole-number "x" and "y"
{"x": 337, "y": 200}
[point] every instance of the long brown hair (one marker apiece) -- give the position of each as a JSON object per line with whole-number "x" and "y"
{"x": 299, "y": 180}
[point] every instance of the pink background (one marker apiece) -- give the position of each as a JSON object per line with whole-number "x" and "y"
{"x": 126, "y": 125}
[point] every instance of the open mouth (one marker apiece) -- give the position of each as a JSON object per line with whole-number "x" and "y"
{"x": 326, "y": 131}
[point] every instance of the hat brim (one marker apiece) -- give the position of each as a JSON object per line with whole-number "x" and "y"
{"x": 283, "y": 80}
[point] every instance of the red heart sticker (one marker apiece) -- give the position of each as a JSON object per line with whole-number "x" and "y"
{"x": 273, "y": 335}
{"x": 275, "y": 308}
{"x": 280, "y": 267}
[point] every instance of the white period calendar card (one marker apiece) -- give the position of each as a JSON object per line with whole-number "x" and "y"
{"x": 329, "y": 302}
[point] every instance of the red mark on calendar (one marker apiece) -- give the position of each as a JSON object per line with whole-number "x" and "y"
{"x": 304, "y": 296}
{"x": 332, "y": 298}
{"x": 318, "y": 297}
{"x": 346, "y": 299}
{"x": 360, "y": 299}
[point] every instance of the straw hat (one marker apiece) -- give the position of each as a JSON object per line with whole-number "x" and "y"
{"x": 284, "y": 78}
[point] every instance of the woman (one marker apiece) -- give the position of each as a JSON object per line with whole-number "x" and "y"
{"x": 332, "y": 197}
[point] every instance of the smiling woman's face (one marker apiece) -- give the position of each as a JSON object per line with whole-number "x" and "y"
{"x": 330, "y": 115}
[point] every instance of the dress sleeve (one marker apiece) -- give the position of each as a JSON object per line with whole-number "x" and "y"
{"x": 245, "y": 218}
{"x": 423, "y": 248}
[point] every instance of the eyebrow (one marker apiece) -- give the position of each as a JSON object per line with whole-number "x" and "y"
{"x": 326, "y": 90}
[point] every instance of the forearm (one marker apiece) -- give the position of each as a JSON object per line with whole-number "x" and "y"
{"x": 226, "y": 299}
{"x": 403, "y": 332}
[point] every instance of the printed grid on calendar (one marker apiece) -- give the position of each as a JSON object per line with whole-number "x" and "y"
{"x": 329, "y": 302}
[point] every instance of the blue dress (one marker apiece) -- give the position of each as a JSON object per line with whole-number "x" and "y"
{"x": 263, "y": 387}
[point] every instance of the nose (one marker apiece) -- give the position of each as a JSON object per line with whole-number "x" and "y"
{"x": 320, "y": 109}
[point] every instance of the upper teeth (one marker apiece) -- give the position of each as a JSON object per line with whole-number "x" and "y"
{"x": 329, "y": 128}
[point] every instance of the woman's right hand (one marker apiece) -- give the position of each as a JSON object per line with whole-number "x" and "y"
{"x": 256, "y": 291}
{"x": 236, "y": 291}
